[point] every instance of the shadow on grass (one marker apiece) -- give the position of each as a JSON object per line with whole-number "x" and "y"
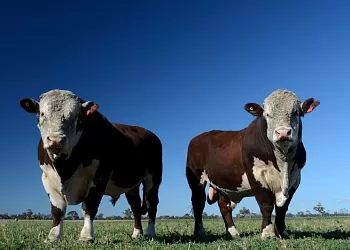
{"x": 336, "y": 234}
{"x": 178, "y": 238}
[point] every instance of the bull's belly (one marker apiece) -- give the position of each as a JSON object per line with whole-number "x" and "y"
{"x": 237, "y": 196}
{"x": 237, "y": 192}
{"x": 114, "y": 191}
{"x": 76, "y": 190}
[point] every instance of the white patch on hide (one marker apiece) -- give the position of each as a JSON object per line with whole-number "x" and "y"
{"x": 245, "y": 184}
{"x": 52, "y": 185}
{"x": 77, "y": 187}
{"x": 278, "y": 182}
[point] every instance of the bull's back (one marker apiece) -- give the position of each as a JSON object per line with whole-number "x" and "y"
{"x": 139, "y": 135}
{"x": 148, "y": 147}
{"x": 218, "y": 153}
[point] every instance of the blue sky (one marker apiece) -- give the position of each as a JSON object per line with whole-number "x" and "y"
{"x": 178, "y": 68}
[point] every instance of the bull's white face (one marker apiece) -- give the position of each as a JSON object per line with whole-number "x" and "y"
{"x": 282, "y": 114}
{"x": 60, "y": 114}
{"x": 282, "y": 111}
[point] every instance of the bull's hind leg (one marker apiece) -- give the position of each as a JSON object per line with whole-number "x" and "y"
{"x": 226, "y": 208}
{"x": 134, "y": 200}
{"x": 151, "y": 186}
{"x": 198, "y": 200}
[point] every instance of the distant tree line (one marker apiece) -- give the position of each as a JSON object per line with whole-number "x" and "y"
{"x": 318, "y": 210}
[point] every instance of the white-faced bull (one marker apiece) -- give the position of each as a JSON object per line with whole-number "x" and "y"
{"x": 83, "y": 156}
{"x": 263, "y": 160}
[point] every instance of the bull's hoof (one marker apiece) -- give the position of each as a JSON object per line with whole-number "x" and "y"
{"x": 86, "y": 240}
{"x": 232, "y": 231}
{"x": 284, "y": 234}
{"x": 50, "y": 241}
{"x": 268, "y": 232}
{"x": 137, "y": 233}
{"x": 150, "y": 232}
{"x": 54, "y": 235}
{"x": 199, "y": 233}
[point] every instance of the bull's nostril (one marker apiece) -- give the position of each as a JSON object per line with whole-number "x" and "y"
{"x": 48, "y": 138}
{"x": 289, "y": 132}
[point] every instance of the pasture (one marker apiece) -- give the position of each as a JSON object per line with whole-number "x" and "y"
{"x": 316, "y": 233}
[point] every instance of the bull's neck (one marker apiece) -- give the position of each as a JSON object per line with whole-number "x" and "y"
{"x": 285, "y": 157}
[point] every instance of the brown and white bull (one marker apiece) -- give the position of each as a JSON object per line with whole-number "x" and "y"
{"x": 262, "y": 160}
{"x": 83, "y": 156}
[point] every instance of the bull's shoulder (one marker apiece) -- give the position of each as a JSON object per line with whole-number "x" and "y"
{"x": 256, "y": 144}
{"x": 137, "y": 134}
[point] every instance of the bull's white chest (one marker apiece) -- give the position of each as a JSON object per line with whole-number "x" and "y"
{"x": 279, "y": 182}
{"x": 77, "y": 187}
{"x": 73, "y": 190}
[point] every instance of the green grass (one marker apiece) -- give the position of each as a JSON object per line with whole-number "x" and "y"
{"x": 317, "y": 233}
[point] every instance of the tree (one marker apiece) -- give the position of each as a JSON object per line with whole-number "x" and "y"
{"x": 243, "y": 212}
{"x": 99, "y": 216}
{"x": 343, "y": 211}
{"x": 29, "y": 214}
{"x": 300, "y": 214}
{"x": 319, "y": 208}
{"x": 127, "y": 213}
{"x": 73, "y": 215}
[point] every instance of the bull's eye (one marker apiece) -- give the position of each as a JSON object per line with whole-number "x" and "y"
{"x": 42, "y": 114}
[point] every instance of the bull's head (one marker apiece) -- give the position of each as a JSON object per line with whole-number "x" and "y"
{"x": 282, "y": 111}
{"x": 60, "y": 116}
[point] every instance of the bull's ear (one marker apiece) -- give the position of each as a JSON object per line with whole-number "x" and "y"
{"x": 29, "y": 105}
{"x": 309, "y": 105}
{"x": 254, "y": 109}
{"x": 89, "y": 107}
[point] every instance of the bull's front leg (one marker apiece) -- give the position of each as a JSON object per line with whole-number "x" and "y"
{"x": 266, "y": 200}
{"x": 58, "y": 207}
{"x": 280, "y": 224}
{"x": 90, "y": 207}
{"x": 58, "y": 211}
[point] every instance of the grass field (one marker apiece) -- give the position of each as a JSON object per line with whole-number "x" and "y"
{"x": 324, "y": 233}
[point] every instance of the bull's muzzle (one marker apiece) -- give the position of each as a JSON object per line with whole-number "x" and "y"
{"x": 55, "y": 142}
{"x": 283, "y": 134}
